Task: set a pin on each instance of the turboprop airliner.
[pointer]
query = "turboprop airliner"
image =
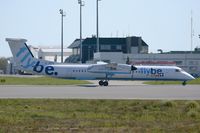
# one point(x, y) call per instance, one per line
point(101, 71)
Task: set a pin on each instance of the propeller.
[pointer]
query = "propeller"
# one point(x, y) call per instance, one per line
point(133, 68)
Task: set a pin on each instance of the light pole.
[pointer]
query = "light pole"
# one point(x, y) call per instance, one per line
point(199, 36)
point(62, 15)
point(98, 25)
point(81, 3)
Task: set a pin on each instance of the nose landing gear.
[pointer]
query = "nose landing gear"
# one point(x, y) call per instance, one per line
point(184, 83)
point(103, 83)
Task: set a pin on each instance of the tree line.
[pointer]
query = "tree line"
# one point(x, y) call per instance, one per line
point(3, 64)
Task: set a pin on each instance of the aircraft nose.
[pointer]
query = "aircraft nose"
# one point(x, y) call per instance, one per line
point(189, 77)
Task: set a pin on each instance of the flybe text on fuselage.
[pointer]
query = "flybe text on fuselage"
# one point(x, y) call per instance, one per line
point(49, 70)
point(152, 71)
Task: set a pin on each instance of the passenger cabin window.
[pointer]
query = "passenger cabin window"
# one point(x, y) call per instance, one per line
point(79, 70)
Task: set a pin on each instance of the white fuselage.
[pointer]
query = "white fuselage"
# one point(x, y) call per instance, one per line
point(142, 73)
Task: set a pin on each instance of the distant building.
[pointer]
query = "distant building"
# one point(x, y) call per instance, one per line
point(127, 45)
point(1, 71)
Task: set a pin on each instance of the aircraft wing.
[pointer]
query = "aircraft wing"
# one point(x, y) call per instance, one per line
point(111, 68)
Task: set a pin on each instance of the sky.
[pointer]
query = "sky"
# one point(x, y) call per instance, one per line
point(163, 24)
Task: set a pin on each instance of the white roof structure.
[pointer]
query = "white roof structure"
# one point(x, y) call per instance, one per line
point(55, 50)
point(50, 53)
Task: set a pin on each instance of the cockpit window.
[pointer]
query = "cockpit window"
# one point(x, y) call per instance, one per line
point(177, 70)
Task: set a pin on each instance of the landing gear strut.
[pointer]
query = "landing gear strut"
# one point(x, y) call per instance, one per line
point(103, 83)
point(184, 83)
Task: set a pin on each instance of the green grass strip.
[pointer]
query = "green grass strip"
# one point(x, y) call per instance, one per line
point(45, 115)
point(39, 81)
point(192, 82)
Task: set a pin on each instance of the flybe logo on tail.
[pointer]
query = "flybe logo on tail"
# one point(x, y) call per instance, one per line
point(26, 59)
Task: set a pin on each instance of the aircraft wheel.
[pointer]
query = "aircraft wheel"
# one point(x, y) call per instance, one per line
point(105, 83)
point(184, 83)
point(101, 83)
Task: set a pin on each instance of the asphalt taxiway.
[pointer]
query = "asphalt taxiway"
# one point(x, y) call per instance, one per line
point(116, 90)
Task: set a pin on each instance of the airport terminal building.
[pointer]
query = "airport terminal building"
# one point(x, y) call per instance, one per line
point(126, 45)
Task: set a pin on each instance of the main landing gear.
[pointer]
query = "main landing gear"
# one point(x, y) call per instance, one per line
point(103, 83)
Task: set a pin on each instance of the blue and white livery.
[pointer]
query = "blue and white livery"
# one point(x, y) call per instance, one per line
point(101, 71)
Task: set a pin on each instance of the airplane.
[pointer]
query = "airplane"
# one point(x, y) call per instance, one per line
point(101, 71)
